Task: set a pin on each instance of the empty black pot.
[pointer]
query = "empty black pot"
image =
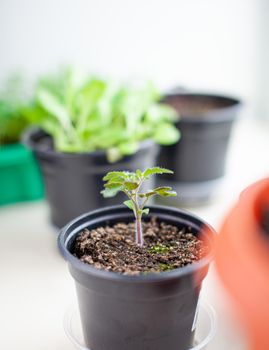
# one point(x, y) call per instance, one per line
point(147, 312)
point(73, 181)
point(198, 159)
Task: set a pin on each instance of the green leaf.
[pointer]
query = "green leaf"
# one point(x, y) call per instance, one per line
point(145, 211)
point(165, 191)
point(156, 170)
point(166, 134)
point(149, 194)
point(159, 249)
point(116, 179)
point(130, 185)
point(113, 184)
point(129, 147)
point(113, 174)
point(139, 173)
point(160, 112)
point(113, 154)
point(111, 192)
point(110, 137)
point(162, 189)
point(95, 114)
point(88, 97)
point(129, 204)
point(52, 105)
point(168, 194)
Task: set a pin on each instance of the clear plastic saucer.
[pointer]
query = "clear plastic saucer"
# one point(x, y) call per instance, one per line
point(206, 327)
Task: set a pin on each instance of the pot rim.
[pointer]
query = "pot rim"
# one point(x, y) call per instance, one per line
point(208, 116)
point(29, 142)
point(150, 278)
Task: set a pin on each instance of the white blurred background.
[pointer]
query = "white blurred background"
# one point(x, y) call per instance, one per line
point(212, 45)
point(219, 46)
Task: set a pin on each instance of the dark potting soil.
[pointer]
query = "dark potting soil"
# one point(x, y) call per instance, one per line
point(114, 249)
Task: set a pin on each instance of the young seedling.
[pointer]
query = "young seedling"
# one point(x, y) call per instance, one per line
point(130, 183)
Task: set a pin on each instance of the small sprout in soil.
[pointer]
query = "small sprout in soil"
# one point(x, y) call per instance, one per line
point(166, 267)
point(159, 249)
point(130, 183)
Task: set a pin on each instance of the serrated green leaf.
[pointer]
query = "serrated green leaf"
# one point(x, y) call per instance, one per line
point(113, 174)
point(162, 188)
point(164, 191)
point(156, 170)
point(113, 184)
point(110, 192)
point(130, 185)
point(129, 204)
point(116, 179)
point(168, 194)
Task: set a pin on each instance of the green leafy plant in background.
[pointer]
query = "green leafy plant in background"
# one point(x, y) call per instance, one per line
point(12, 98)
point(130, 183)
point(88, 114)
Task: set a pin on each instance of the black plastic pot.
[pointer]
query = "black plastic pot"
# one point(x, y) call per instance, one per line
point(147, 312)
point(73, 181)
point(198, 159)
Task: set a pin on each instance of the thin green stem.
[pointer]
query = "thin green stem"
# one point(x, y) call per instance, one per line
point(138, 215)
point(144, 203)
point(139, 231)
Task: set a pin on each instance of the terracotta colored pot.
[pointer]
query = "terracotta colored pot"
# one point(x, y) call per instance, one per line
point(242, 260)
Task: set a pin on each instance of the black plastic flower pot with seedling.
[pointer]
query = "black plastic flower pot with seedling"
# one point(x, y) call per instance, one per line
point(89, 129)
point(151, 310)
point(198, 159)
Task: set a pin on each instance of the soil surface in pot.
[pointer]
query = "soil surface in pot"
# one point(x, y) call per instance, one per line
point(197, 105)
point(113, 248)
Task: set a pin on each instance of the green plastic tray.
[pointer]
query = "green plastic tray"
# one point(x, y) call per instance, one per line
point(20, 178)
